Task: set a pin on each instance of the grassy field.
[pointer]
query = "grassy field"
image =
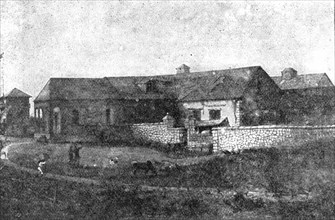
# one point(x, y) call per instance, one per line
point(94, 161)
point(306, 170)
point(26, 196)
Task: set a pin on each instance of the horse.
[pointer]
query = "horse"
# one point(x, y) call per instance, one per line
point(145, 166)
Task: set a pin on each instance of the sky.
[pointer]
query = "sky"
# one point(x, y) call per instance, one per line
point(43, 39)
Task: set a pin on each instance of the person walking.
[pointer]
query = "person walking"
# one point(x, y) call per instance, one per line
point(41, 164)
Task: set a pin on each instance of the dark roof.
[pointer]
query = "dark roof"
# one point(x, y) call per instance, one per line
point(195, 86)
point(316, 91)
point(75, 89)
point(16, 93)
point(303, 81)
point(135, 87)
point(215, 84)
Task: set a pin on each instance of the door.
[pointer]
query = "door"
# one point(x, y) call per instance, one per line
point(56, 121)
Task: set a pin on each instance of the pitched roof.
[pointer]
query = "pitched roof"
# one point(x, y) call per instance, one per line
point(195, 86)
point(75, 89)
point(215, 84)
point(16, 93)
point(304, 81)
point(135, 87)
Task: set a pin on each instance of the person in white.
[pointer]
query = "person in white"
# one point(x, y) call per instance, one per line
point(41, 163)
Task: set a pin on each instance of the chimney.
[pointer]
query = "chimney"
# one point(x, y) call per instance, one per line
point(288, 73)
point(183, 69)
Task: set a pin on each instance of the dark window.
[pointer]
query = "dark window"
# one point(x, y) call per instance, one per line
point(108, 116)
point(197, 114)
point(214, 114)
point(75, 117)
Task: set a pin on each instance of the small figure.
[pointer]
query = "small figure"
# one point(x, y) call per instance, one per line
point(41, 163)
point(70, 154)
point(113, 161)
point(4, 151)
point(74, 156)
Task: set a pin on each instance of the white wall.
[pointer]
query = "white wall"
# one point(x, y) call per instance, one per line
point(227, 108)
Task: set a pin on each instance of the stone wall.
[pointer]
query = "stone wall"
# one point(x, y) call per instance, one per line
point(163, 132)
point(235, 138)
point(159, 132)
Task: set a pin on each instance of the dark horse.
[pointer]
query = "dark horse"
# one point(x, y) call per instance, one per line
point(146, 166)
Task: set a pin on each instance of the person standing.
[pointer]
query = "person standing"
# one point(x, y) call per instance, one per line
point(4, 150)
point(71, 153)
point(76, 150)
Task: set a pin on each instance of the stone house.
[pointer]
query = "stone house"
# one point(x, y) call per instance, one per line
point(306, 98)
point(14, 107)
point(232, 97)
point(66, 106)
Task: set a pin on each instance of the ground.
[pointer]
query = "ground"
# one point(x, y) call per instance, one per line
point(94, 162)
point(295, 184)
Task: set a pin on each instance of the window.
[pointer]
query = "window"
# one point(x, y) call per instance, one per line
point(197, 114)
point(75, 117)
point(36, 112)
point(214, 114)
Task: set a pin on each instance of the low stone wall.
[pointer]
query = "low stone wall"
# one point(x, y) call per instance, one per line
point(159, 132)
point(235, 138)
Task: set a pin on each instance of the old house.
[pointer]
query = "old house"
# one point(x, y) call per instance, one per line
point(290, 79)
point(15, 112)
point(307, 98)
point(232, 97)
point(66, 106)
point(235, 97)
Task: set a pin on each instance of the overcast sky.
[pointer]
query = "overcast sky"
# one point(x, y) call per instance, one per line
point(43, 39)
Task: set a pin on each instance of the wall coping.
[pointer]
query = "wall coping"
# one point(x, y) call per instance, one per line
point(148, 124)
point(160, 124)
point(275, 127)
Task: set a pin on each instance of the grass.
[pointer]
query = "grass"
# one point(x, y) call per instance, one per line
point(95, 160)
point(285, 172)
point(26, 196)
point(279, 171)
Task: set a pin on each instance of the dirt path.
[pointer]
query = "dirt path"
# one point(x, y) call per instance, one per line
point(7, 162)
point(213, 191)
